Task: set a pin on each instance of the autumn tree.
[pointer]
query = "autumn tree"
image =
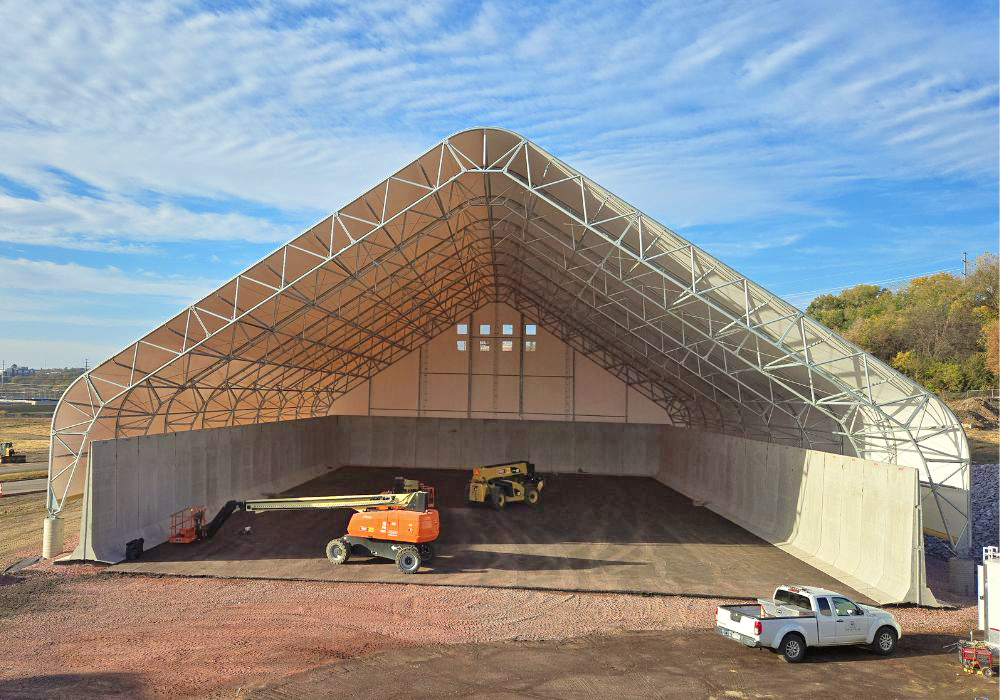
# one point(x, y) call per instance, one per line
point(941, 330)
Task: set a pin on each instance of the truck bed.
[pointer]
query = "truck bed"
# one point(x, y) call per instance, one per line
point(757, 625)
point(765, 610)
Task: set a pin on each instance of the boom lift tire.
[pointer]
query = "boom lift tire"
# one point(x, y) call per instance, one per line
point(532, 495)
point(338, 551)
point(408, 560)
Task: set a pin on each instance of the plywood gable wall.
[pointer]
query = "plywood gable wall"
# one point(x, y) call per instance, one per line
point(498, 373)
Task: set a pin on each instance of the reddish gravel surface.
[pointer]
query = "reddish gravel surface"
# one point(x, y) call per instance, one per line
point(176, 637)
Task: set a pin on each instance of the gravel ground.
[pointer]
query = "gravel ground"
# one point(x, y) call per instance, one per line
point(985, 514)
point(179, 637)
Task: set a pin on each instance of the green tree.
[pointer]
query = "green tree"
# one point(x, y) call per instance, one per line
point(941, 330)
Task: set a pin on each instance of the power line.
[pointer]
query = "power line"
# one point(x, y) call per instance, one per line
point(885, 281)
point(908, 263)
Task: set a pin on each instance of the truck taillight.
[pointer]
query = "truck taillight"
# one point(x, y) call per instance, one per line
point(756, 627)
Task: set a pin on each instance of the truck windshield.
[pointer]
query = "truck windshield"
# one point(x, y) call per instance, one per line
point(794, 599)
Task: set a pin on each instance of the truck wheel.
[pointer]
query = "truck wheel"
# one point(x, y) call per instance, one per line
point(497, 499)
point(793, 648)
point(338, 551)
point(987, 672)
point(408, 560)
point(426, 553)
point(885, 641)
point(531, 496)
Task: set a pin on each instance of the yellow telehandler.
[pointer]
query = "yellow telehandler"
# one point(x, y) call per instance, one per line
point(500, 484)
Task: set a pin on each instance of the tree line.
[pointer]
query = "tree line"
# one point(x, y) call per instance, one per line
point(940, 330)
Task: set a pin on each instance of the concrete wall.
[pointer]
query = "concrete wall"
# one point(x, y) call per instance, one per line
point(135, 484)
point(854, 519)
point(458, 443)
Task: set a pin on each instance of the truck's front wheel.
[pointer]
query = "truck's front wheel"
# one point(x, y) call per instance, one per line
point(792, 648)
point(885, 641)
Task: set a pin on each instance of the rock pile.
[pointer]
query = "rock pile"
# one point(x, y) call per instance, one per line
point(984, 513)
point(985, 507)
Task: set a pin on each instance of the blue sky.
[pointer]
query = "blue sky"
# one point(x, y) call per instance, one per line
point(150, 151)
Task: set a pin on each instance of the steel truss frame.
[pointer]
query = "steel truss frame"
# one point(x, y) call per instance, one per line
point(488, 216)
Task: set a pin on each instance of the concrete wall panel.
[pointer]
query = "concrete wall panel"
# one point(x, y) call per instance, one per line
point(854, 519)
point(135, 484)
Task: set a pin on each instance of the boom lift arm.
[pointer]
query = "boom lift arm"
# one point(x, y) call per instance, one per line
point(401, 526)
point(412, 500)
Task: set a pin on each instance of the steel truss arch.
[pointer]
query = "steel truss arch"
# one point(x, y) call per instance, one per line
point(487, 216)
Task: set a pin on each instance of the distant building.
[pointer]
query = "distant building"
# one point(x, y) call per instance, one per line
point(15, 371)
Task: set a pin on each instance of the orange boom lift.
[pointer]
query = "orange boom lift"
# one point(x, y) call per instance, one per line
point(401, 525)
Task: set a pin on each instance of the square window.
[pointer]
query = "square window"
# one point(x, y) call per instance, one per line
point(461, 345)
point(529, 345)
point(530, 329)
point(463, 329)
point(507, 345)
point(484, 329)
point(508, 329)
point(484, 346)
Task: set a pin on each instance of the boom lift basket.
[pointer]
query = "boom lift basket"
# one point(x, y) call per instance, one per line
point(186, 525)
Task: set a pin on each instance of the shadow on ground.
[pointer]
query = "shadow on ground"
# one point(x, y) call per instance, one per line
point(74, 685)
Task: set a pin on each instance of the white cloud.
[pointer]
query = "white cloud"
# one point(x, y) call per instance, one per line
point(306, 116)
point(713, 113)
point(64, 279)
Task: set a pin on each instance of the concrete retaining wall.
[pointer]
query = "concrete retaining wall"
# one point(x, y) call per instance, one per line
point(854, 519)
point(134, 484)
point(459, 443)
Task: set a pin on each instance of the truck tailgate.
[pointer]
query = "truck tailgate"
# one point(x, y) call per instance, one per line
point(737, 622)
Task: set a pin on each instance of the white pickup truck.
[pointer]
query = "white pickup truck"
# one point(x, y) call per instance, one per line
point(801, 617)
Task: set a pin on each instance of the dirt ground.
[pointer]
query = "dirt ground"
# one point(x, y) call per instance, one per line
point(80, 632)
point(137, 636)
point(632, 535)
point(984, 445)
point(30, 434)
point(21, 525)
point(678, 664)
point(157, 637)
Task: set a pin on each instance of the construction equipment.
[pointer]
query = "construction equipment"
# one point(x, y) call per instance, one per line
point(187, 526)
point(8, 455)
point(978, 656)
point(981, 652)
point(401, 526)
point(500, 484)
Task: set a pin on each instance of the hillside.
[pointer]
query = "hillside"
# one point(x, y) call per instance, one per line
point(939, 330)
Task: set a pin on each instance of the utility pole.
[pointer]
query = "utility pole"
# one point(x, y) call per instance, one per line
point(965, 264)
